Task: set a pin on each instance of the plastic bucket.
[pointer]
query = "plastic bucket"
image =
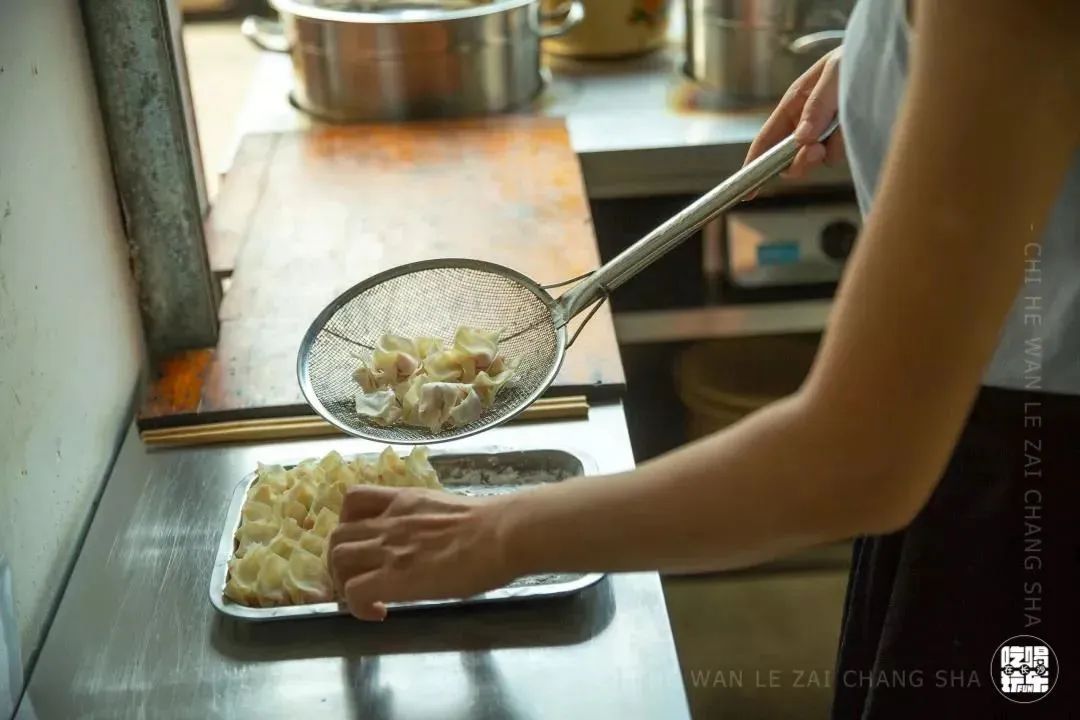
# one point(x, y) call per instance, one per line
point(721, 381)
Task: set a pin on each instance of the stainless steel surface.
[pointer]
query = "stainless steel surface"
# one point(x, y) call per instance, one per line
point(407, 60)
point(788, 247)
point(431, 298)
point(135, 637)
point(629, 122)
point(668, 235)
point(750, 51)
point(673, 326)
point(493, 471)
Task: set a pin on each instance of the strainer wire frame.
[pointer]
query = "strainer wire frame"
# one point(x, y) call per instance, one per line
point(556, 316)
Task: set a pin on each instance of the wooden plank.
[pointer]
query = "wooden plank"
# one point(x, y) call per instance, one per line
point(294, 428)
point(334, 205)
point(237, 202)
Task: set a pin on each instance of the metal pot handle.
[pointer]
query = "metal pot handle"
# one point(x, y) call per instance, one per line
point(805, 44)
point(264, 34)
point(569, 14)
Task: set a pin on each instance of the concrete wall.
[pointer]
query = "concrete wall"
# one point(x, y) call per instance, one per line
point(70, 343)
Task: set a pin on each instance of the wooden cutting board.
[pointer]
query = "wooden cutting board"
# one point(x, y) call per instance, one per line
point(303, 216)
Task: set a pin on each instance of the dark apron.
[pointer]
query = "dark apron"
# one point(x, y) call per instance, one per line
point(993, 555)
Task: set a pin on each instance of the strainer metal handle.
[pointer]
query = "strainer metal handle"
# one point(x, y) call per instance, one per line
point(670, 234)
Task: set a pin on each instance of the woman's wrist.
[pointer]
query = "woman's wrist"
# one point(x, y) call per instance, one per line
point(512, 519)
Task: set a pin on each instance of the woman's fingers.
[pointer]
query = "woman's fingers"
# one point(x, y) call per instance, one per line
point(354, 559)
point(805, 161)
point(818, 111)
point(422, 545)
point(784, 119)
point(806, 110)
point(834, 149)
point(356, 592)
point(366, 501)
point(822, 103)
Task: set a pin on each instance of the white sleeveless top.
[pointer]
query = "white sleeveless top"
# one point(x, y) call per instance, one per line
point(1040, 354)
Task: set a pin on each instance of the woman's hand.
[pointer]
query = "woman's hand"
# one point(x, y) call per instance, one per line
point(405, 544)
point(806, 109)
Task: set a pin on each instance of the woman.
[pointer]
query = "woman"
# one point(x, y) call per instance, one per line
point(935, 424)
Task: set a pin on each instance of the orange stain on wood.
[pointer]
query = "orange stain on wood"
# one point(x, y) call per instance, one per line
point(178, 384)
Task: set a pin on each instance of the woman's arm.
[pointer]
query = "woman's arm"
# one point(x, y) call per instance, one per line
point(989, 127)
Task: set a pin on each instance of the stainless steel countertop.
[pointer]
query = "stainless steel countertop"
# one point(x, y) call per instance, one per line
point(136, 636)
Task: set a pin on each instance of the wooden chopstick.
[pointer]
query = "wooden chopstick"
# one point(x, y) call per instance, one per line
point(293, 428)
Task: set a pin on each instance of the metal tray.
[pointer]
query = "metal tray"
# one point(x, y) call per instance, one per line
point(479, 473)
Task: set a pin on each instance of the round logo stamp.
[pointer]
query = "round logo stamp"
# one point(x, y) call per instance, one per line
point(1024, 668)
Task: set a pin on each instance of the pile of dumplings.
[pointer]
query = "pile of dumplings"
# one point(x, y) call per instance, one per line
point(288, 515)
point(419, 382)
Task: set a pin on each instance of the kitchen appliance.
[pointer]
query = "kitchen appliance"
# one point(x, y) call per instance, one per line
point(433, 298)
point(748, 52)
point(789, 247)
point(395, 60)
point(612, 29)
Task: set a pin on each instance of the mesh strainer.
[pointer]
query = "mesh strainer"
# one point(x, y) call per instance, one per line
point(433, 298)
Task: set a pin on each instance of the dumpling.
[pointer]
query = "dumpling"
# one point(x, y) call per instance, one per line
point(273, 475)
point(391, 343)
point(331, 461)
point(410, 402)
point(242, 585)
point(263, 492)
point(325, 522)
point(313, 543)
point(391, 468)
point(303, 493)
point(366, 473)
point(291, 528)
point(282, 546)
point(381, 406)
point(437, 403)
point(270, 584)
point(343, 475)
point(395, 359)
point(288, 508)
point(306, 579)
point(309, 471)
point(488, 386)
point(503, 364)
point(478, 345)
point(449, 366)
point(419, 471)
point(468, 409)
point(255, 532)
point(256, 510)
point(427, 346)
point(369, 378)
point(328, 496)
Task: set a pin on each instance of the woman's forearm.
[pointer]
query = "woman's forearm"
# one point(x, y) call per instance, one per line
point(917, 318)
point(771, 485)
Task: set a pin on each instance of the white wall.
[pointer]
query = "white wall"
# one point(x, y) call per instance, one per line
point(70, 344)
